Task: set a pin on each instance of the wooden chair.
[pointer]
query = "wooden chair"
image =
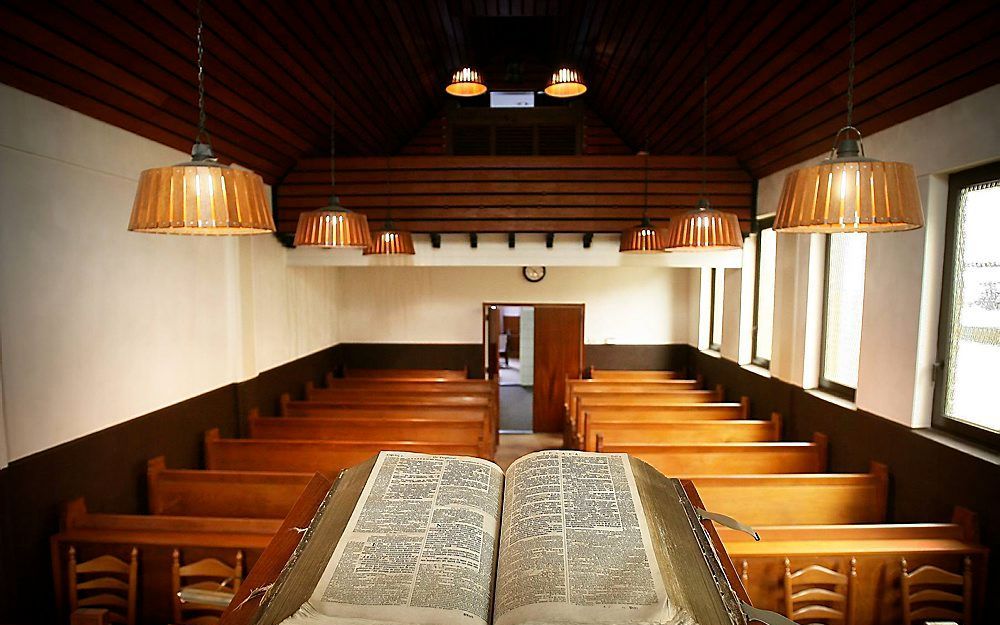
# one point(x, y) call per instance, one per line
point(104, 582)
point(931, 593)
point(208, 574)
point(817, 587)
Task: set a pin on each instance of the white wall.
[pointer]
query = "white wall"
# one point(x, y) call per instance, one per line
point(527, 346)
point(634, 305)
point(902, 281)
point(99, 325)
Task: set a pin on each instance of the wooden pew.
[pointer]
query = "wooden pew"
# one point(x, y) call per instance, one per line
point(206, 493)
point(155, 537)
point(368, 406)
point(646, 403)
point(463, 431)
point(798, 499)
point(326, 457)
point(408, 374)
point(730, 458)
point(368, 390)
point(877, 549)
point(634, 375)
point(666, 427)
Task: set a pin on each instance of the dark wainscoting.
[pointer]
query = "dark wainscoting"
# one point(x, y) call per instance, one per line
point(109, 469)
point(670, 357)
point(413, 356)
point(928, 478)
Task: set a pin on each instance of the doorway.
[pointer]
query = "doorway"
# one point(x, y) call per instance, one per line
point(531, 349)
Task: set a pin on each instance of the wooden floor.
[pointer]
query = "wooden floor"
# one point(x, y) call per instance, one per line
point(513, 446)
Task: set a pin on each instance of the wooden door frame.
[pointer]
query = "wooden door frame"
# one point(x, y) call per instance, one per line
point(484, 318)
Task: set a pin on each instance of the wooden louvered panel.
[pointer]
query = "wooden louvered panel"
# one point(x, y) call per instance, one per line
point(515, 194)
point(514, 140)
point(471, 140)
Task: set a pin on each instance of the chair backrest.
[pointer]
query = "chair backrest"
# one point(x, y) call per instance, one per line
point(818, 593)
point(930, 592)
point(208, 574)
point(105, 582)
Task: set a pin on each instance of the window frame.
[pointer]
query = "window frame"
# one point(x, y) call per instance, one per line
point(829, 386)
point(939, 421)
point(762, 224)
point(716, 347)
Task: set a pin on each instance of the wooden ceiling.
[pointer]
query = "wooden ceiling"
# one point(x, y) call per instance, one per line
point(777, 83)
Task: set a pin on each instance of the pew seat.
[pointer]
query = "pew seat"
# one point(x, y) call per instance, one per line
point(730, 458)
point(189, 492)
point(798, 499)
point(680, 423)
point(296, 456)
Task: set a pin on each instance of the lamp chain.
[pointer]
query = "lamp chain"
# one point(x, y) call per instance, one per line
point(704, 114)
point(645, 183)
point(388, 196)
point(850, 66)
point(333, 142)
point(202, 136)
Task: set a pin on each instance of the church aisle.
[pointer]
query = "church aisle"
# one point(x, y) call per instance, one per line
point(513, 446)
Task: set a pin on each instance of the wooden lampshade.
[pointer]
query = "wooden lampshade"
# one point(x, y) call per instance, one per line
point(466, 83)
point(201, 196)
point(704, 229)
point(390, 241)
point(332, 226)
point(565, 83)
point(644, 238)
point(850, 193)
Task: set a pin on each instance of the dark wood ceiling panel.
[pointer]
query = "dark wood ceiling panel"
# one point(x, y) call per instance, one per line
point(274, 69)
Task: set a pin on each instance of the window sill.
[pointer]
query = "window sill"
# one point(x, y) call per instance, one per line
point(833, 399)
point(714, 353)
point(959, 444)
point(761, 371)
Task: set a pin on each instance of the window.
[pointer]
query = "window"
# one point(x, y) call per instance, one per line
point(842, 305)
point(715, 321)
point(969, 336)
point(763, 299)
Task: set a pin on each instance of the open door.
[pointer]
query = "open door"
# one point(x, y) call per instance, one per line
point(558, 355)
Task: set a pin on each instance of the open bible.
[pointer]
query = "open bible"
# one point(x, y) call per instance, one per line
point(563, 537)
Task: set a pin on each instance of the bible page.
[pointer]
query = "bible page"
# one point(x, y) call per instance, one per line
point(575, 545)
point(419, 548)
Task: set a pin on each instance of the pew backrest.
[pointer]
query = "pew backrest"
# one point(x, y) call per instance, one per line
point(408, 374)
point(206, 493)
point(730, 458)
point(799, 499)
point(326, 457)
point(467, 430)
point(624, 428)
point(634, 375)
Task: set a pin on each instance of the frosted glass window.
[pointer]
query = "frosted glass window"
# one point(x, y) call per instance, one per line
point(845, 293)
point(764, 297)
point(971, 354)
point(718, 291)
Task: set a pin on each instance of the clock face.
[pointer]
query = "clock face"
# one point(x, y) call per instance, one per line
point(534, 274)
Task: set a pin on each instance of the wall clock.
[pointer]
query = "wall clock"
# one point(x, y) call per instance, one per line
point(533, 274)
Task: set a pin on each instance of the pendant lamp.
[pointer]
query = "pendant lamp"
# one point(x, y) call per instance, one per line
point(333, 225)
point(849, 192)
point(390, 240)
point(565, 83)
point(644, 238)
point(466, 83)
point(201, 196)
point(704, 228)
